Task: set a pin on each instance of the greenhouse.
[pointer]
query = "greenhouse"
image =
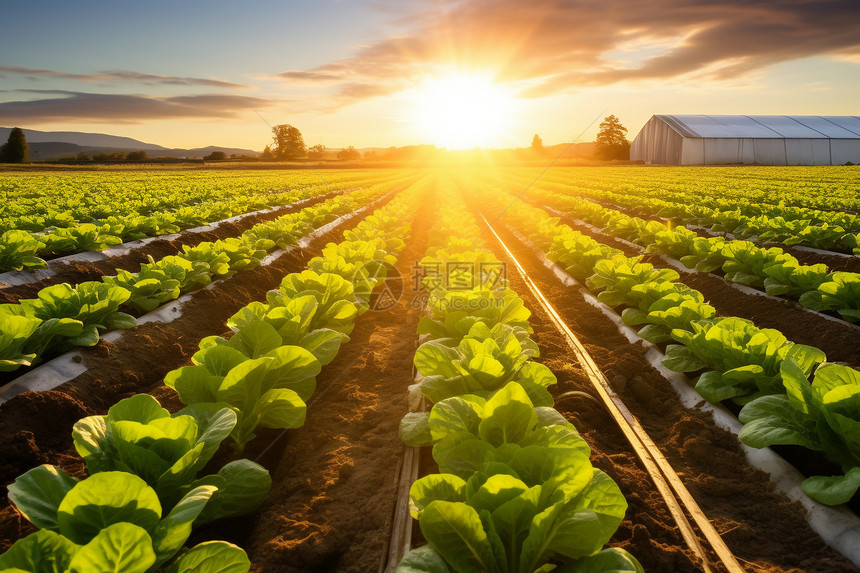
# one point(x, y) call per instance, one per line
point(748, 139)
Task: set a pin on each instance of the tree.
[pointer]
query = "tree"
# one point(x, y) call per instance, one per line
point(288, 142)
point(267, 154)
point(348, 153)
point(611, 141)
point(537, 144)
point(136, 156)
point(216, 156)
point(316, 151)
point(16, 149)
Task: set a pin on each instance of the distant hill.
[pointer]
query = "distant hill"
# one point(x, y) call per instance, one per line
point(49, 145)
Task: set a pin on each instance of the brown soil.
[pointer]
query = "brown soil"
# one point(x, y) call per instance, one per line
point(35, 427)
point(839, 340)
point(78, 272)
point(766, 531)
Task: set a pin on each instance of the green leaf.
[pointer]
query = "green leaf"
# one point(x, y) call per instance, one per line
point(415, 429)
point(833, 490)
point(713, 388)
point(610, 560)
point(462, 454)
point(444, 487)
point(458, 414)
point(195, 384)
point(455, 531)
point(38, 494)
point(424, 559)
point(771, 420)
point(244, 489)
point(681, 359)
point(173, 531)
point(44, 551)
point(281, 408)
point(117, 547)
point(508, 415)
point(219, 359)
point(323, 343)
point(212, 557)
point(104, 499)
point(256, 339)
point(141, 408)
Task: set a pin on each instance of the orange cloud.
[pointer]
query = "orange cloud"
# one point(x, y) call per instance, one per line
point(551, 46)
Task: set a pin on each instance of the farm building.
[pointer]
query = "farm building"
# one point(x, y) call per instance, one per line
point(761, 139)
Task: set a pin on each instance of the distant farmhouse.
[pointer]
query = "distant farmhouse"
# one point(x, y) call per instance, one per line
point(761, 139)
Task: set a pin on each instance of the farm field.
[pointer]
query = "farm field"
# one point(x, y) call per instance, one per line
point(435, 369)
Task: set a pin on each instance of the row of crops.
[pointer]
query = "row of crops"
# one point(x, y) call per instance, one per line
point(144, 493)
point(45, 216)
point(515, 489)
point(512, 484)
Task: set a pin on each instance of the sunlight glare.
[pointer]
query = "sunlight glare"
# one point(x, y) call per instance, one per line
point(464, 111)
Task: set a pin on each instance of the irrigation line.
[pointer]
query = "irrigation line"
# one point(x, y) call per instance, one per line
point(661, 472)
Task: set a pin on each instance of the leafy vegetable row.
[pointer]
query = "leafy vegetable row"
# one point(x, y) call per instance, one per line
point(757, 221)
point(757, 368)
point(516, 491)
point(772, 269)
point(137, 509)
point(754, 187)
point(62, 316)
point(104, 219)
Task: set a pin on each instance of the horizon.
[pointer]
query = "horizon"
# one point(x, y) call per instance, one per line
point(457, 75)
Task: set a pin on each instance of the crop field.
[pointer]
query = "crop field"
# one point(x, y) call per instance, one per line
point(501, 369)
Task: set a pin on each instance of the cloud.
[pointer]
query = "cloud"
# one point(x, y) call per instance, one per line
point(123, 108)
point(549, 46)
point(126, 76)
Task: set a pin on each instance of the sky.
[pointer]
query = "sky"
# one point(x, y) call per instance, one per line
point(379, 73)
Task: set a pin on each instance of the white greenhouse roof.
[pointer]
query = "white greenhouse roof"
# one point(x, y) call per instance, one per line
point(765, 126)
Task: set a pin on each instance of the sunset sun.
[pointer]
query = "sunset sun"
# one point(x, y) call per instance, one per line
point(463, 111)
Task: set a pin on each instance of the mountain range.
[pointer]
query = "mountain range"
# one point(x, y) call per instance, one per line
point(49, 145)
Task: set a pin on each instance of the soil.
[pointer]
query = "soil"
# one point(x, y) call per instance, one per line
point(75, 272)
point(35, 427)
point(766, 531)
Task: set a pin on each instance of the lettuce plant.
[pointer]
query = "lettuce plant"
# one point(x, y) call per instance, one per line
point(111, 521)
point(790, 278)
point(516, 491)
point(292, 322)
point(454, 313)
point(823, 415)
point(744, 359)
point(841, 293)
point(156, 283)
point(746, 263)
point(482, 363)
point(15, 332)
point(677, 309)
point(18, 251)
point(93, 303)
point(338, 304)
point(616, 277)
point(168, 451)
point(269, 391)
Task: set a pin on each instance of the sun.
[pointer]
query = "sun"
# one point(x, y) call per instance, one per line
point(462, 111)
